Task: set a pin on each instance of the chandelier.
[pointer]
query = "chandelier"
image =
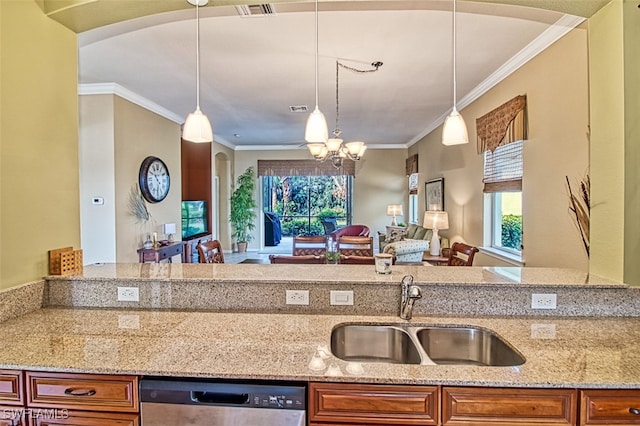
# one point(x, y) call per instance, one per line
point(334, 149)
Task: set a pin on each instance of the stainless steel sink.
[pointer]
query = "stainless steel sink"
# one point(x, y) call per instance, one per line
point(370, 343)
point(428, 345)
point(467, 345)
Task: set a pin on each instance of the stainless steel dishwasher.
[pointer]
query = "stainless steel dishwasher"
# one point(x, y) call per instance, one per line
point(166, 402)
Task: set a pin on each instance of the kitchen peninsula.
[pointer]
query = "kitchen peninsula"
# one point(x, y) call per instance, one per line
point(230, 322)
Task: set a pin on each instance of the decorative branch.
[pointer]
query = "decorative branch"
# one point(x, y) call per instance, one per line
point(580, 206)
point(137, 205)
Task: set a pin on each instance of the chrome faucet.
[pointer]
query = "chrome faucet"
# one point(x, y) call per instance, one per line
point(410, 293)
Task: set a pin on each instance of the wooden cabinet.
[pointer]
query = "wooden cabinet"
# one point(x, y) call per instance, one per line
point(12, 398)
point(351, 404)
point(81, 399)
point(88, 418)
point(609, 407)
point(497, 406)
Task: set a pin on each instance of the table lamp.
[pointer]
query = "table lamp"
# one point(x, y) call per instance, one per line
point(394, 210)
point(435, 220)
point(169, 230)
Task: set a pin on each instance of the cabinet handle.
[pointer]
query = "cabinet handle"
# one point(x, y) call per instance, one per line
point(79, 392)
point(634, 411)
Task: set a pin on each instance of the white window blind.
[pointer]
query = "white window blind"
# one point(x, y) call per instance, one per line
point(503, 168)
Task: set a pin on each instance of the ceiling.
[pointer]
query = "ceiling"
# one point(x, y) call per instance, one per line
point(254, 68)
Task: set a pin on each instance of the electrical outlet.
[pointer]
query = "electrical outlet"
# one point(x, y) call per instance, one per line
point(543, 301)
point(297, 297)
point(128, 294)
point(341, 297)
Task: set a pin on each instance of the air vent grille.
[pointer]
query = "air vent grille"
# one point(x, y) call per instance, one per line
point(298, 108)
point(246, 10)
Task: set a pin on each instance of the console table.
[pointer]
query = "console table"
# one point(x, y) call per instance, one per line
point(162, 252)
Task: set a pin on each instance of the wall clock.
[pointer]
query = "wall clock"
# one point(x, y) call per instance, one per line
point(154, 179)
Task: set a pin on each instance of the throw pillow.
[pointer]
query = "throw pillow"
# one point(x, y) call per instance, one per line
point(395, 235)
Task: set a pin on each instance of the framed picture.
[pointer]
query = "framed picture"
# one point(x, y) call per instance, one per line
point(434, 194)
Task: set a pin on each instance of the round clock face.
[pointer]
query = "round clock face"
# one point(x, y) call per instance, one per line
point(154, 179)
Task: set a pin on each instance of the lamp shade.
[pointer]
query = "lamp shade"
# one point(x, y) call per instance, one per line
point(316, 130)
point(169, 228)
point(454, 131)
point(394, 210)
point(197, 128)
point(436, 220)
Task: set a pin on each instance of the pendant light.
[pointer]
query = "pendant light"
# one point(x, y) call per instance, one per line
point(454, 131)
point(316, 130)
point(197, 127)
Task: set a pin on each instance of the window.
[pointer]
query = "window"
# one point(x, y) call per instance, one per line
point(301, 201)
point(503, 200)
point(413, 196)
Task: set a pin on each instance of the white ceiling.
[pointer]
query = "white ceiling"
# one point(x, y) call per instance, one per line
point(254, 68)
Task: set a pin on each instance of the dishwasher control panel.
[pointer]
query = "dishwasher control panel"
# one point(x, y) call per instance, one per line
point(229, 394)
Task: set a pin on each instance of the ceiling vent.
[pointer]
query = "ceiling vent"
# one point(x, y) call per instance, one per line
point(298, 108)
point(246, 10)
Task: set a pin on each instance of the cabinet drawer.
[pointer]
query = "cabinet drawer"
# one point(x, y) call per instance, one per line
point(11, 387)
point(609, 407)
point(473, 406)
point(373, 404)
point(79, 418)
point(12, 416)
point(82, 391)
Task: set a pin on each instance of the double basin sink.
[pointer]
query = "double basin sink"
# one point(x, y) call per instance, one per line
point(426, 345)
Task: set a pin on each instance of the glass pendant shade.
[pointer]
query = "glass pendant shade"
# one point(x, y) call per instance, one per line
point(454, 131)
point(354, 147)
point(334, 144)
point(316, 130)
point(197, 128)
point(315, 149)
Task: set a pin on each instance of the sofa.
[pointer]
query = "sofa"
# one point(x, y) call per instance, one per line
point(350, 231)
point(408, 244)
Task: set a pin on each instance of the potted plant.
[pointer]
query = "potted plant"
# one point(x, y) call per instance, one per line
point(243, 215)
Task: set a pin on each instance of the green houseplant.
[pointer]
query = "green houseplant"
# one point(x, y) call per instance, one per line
point(243, 205)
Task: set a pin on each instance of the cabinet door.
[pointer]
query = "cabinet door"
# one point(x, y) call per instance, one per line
point(94, 392)
point(373, 404)
point(11, 386)
point(476, 406)
point(88, 418)
point(610, 407)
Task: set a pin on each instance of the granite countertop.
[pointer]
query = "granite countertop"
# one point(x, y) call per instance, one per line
point(559, 352)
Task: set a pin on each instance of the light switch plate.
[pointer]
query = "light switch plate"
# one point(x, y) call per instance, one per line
point(341, 297)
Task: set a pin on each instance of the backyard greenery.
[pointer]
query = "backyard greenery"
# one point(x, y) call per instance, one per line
point(301, 201)
point(512, 231)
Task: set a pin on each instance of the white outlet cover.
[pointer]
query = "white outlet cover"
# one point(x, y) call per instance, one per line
point(297, 297)
point(544, 301)
point(128, 294)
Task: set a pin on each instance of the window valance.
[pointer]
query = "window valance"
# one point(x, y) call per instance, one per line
point(411, 165)
point(304, 168)
point(503, 125)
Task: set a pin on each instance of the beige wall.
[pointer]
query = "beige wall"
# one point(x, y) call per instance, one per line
point(379, 181)
point(223, 159)
point(556, 86)
point(607, 158)
point(115, 138)
point(38, 141)
point(138, 134)
point(97, 169)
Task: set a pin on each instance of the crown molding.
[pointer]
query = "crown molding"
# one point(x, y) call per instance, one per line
point(304, 146)
point(116, 89)
point(552, 34)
